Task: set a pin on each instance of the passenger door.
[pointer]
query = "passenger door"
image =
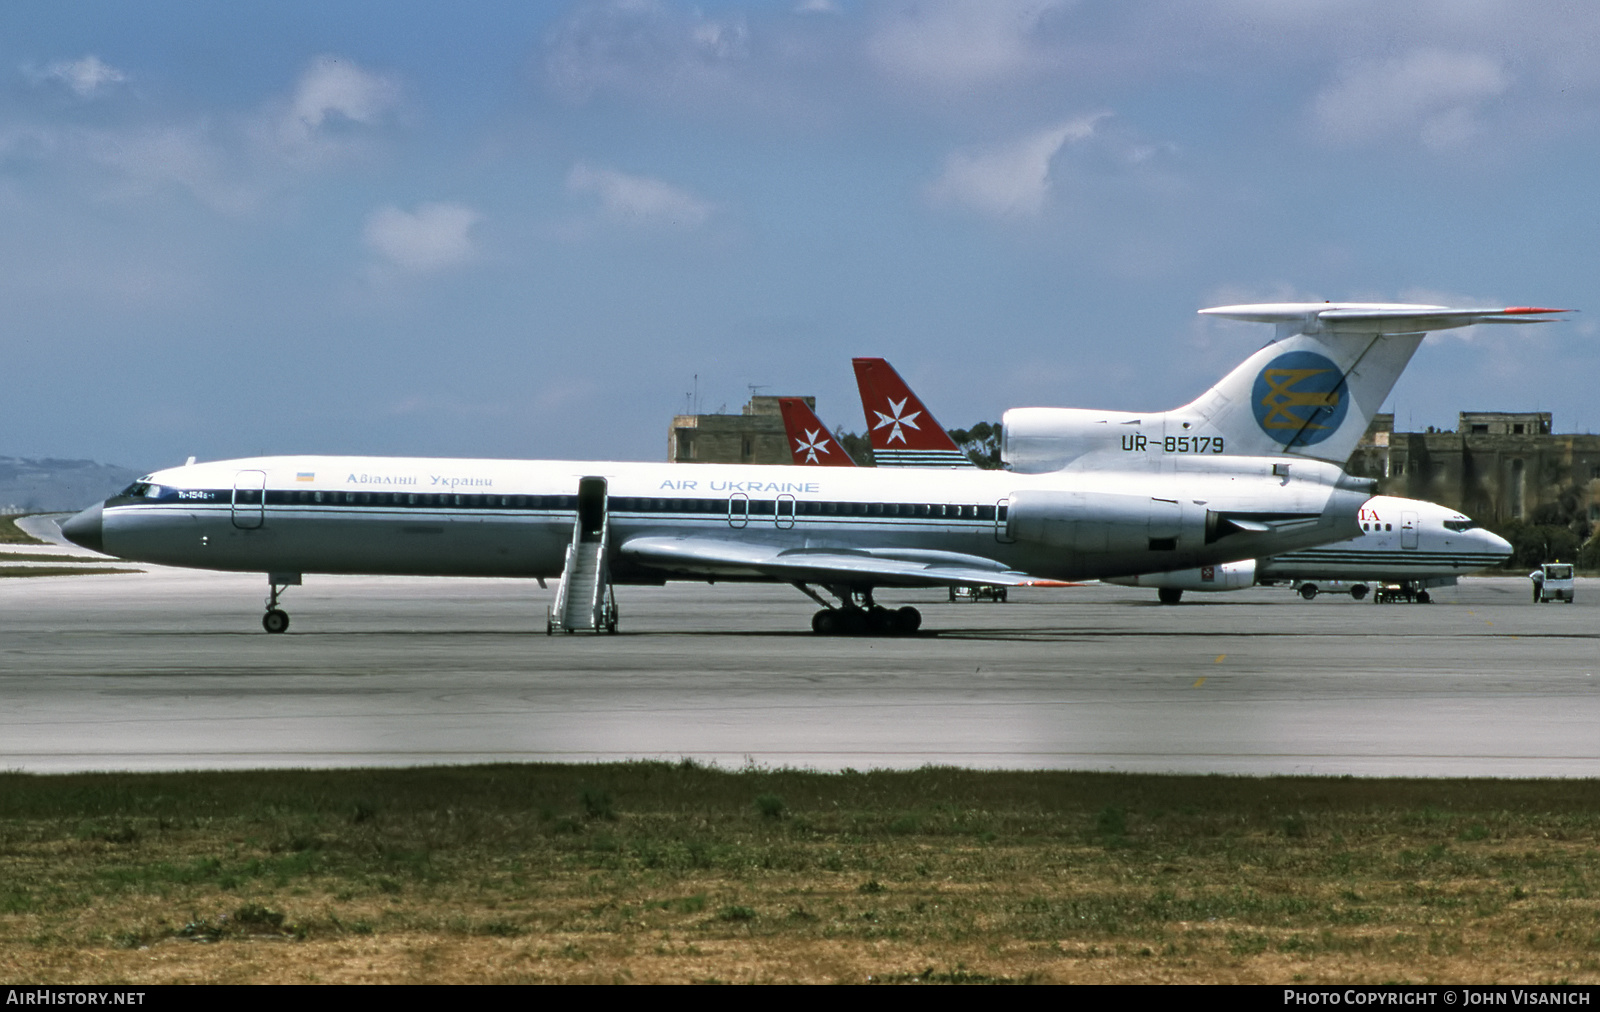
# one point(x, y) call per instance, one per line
point(249, 499)
point(1408, 531)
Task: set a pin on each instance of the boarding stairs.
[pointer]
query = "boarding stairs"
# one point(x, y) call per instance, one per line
point(584, 599)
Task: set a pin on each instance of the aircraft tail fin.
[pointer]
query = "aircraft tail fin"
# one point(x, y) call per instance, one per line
point(903, 431)
point(809, 440)
point(1314, 391)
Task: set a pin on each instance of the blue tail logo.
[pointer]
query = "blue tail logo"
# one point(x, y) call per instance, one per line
point(1300, 398)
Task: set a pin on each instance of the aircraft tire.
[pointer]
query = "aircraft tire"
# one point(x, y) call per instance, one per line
point(907, 621)
point(1358, 592)
point(275, 620)
point(881, 622)
point(1423, 597)
point(1308, 591)
point(825, 623)
point(852, 621)
point(1169, 595)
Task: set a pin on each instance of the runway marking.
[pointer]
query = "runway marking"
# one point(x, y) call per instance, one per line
point(1219, 659)
point(1200, 681)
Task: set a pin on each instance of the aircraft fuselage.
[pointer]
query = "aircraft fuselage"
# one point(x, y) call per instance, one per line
point(466, 517)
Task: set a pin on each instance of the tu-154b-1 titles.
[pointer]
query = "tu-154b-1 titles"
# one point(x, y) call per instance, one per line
point(851, 531)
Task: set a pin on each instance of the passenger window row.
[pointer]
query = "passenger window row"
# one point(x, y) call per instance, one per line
point(769, 507)
point(423, 500)
point(617, 504)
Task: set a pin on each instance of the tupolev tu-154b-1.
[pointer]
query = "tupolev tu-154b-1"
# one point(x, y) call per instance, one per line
point(848, 531)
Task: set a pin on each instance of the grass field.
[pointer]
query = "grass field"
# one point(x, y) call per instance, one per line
point(656, 872)
point(69, 570)
point(11, 534)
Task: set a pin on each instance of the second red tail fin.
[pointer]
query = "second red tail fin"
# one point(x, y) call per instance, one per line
point(809, 440)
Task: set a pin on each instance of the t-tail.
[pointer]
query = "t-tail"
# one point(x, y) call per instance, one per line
point(1312, 392)
point(902, 430)
point(809, 440)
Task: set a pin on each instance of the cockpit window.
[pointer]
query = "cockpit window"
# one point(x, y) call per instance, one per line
point(1460, 525)
point(148, 490)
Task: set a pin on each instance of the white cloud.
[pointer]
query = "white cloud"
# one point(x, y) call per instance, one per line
point(86, 77)
point(1430, 95)
point(433, 237)
point(1009, 181)
point(332, 94)
point(960, 43)
point(639, 199)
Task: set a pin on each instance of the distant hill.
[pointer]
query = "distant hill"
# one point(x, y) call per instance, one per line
point(48, 485)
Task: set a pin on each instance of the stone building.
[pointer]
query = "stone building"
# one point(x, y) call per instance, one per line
point(755, 436)
point(1497, 466)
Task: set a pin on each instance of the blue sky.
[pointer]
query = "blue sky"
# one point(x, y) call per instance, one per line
point(498, 229)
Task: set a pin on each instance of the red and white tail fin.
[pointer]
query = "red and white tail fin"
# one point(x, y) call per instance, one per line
point(903, 431)
point(809, 440)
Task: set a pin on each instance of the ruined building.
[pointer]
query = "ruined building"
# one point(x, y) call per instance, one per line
point(1496, 467)
point(754, 437)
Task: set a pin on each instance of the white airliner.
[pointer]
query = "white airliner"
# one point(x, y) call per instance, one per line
point(847, 530)
point(1405, 546)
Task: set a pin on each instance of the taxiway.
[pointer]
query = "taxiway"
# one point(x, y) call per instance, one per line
point(169, 669)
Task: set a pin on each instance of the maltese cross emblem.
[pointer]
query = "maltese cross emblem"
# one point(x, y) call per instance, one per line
point(897, 419)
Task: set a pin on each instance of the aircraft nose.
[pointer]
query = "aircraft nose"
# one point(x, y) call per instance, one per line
point(85, 528)
point(1494, 542)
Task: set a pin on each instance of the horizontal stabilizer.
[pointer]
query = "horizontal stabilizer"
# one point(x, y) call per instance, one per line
point(1374, 317)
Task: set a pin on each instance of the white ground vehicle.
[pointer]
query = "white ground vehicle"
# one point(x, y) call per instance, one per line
point(1557, 583)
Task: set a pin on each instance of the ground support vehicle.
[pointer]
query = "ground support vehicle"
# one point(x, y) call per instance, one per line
point(1557, 583)
point(979, 593)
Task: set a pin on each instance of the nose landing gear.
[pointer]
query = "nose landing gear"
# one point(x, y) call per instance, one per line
point(276, 620)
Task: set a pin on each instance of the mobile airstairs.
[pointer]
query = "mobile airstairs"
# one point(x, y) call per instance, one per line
point(584, 599)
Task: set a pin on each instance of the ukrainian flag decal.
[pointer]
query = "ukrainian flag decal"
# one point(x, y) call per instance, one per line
point(305, 476)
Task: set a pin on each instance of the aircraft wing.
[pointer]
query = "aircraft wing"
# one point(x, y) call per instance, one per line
point(888, 567)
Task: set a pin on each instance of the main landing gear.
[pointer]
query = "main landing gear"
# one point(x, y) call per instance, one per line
point(857, 615)
point(276, 620)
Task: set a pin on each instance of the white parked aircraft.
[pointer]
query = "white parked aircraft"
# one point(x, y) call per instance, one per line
point(1404, 548)
point(847, 530)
